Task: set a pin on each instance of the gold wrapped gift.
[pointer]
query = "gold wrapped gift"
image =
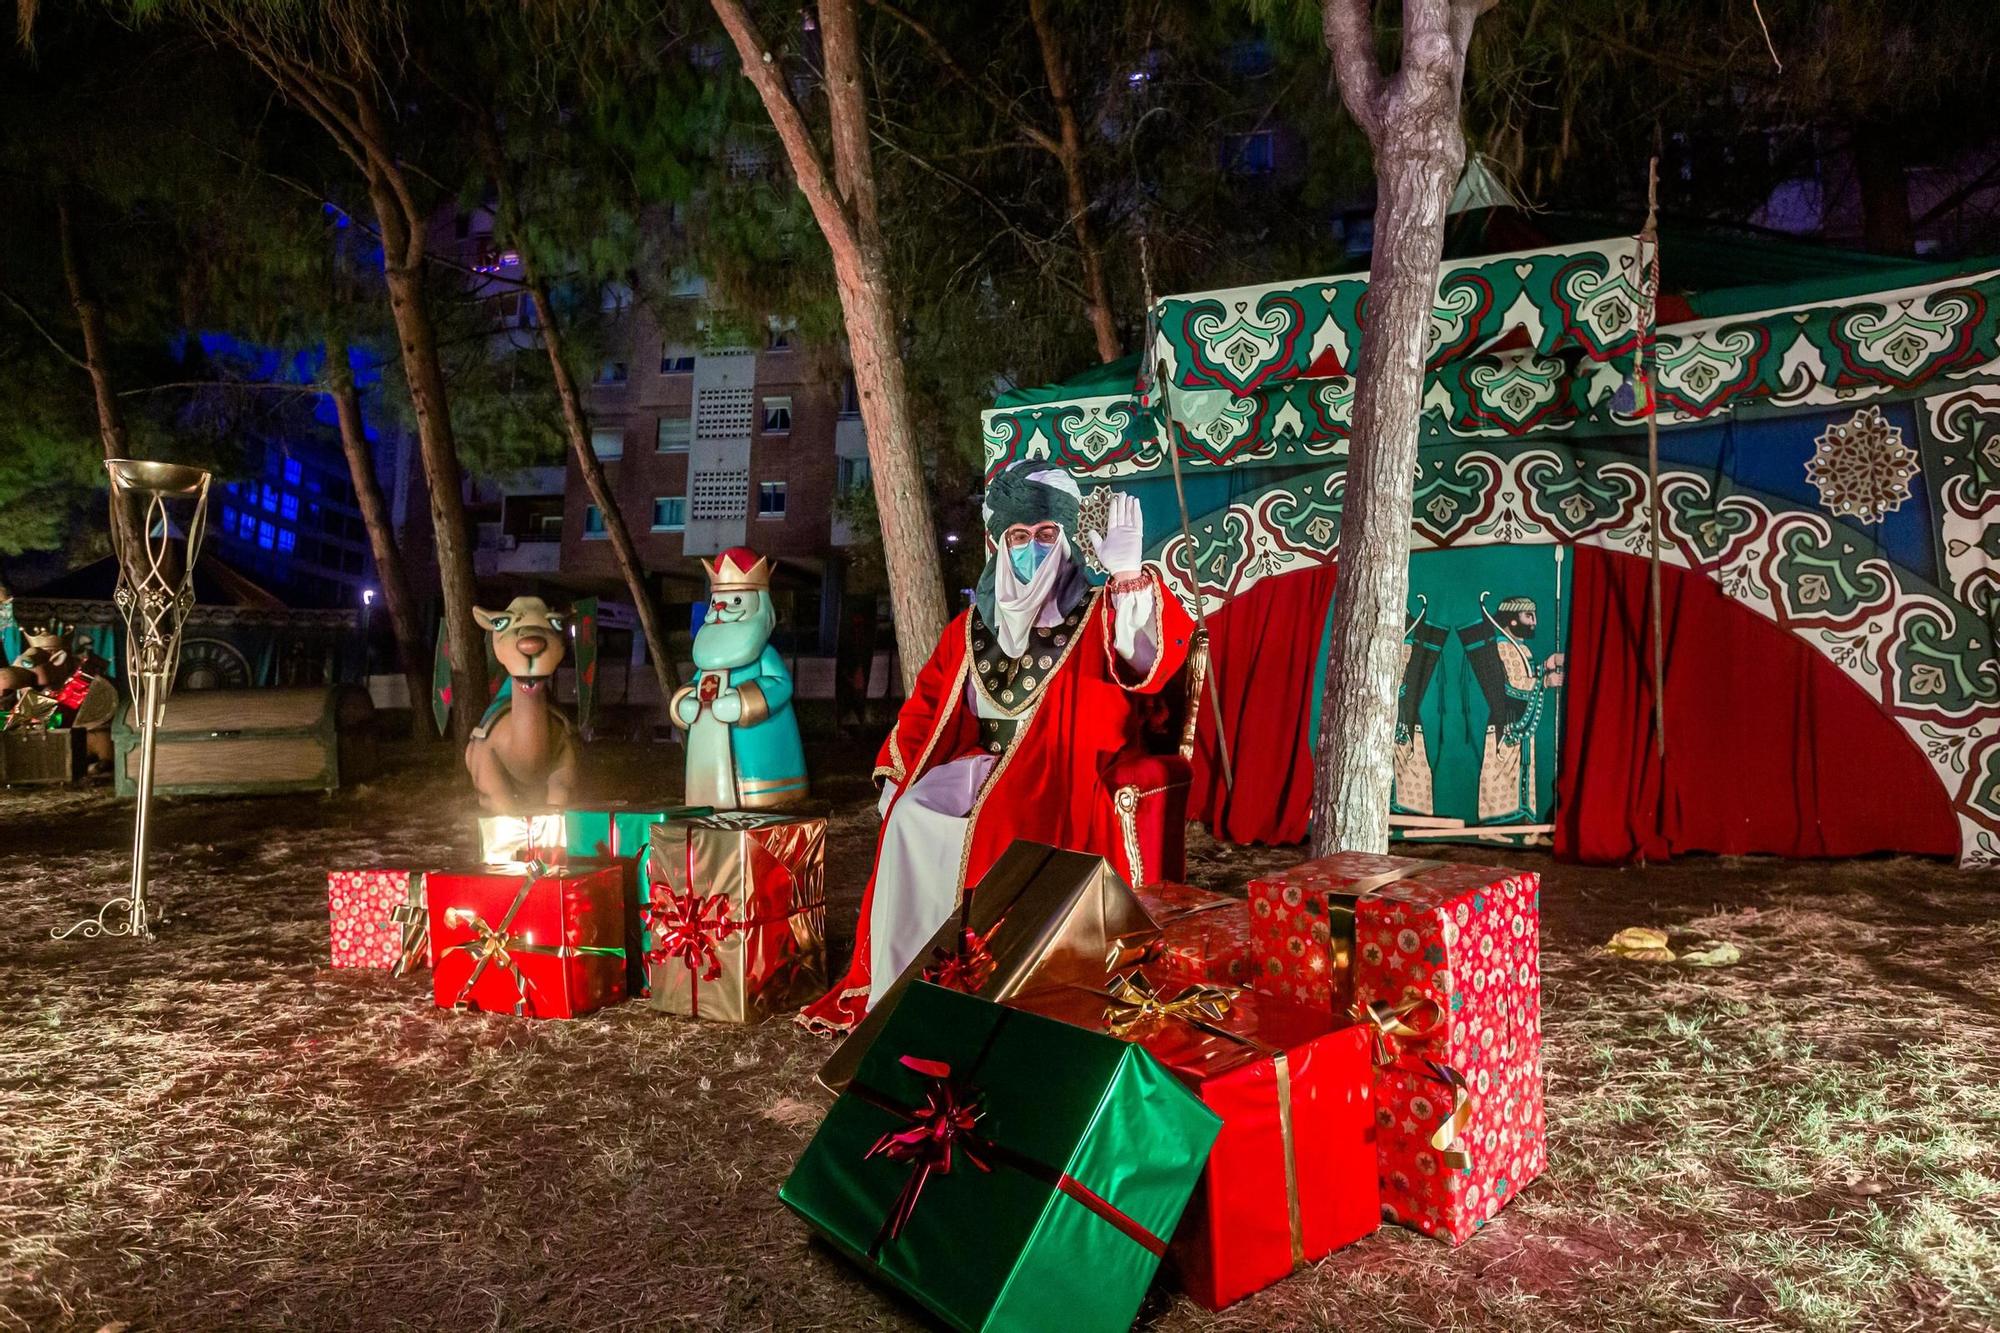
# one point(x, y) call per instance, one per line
point(1039, 917)
point(737, 916)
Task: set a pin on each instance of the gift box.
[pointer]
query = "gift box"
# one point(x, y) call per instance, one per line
point(1302, 925)
point(378, 919)
point(1292, 1176)
point(527, 939)
point(737, 919)
point(622, 833)
point(1040, 916)
point(537, 837)
point(1008, 1171)
point(1203, 936)
point(1448, 972)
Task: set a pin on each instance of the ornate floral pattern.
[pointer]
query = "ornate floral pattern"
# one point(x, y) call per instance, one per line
point(1861, 467)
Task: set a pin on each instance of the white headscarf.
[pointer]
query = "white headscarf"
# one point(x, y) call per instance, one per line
point(1020, 607)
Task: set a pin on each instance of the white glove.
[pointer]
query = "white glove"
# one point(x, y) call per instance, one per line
point(1122, 548)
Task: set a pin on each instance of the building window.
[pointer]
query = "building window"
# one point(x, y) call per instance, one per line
point(777, 416)
point(850, 397)
point(270, 498)
point(675, 360)
point(852, 475)
point(290, 506)
point(292, 471)
point(613, 372)
point(228, 519)
point(593, 521)
point(287, 539)
point(267, 536)
point(770, 499)
point(247, 527)
point(616, 296)
point(675, 434)
point(1250, 154)
point(608, 442)
point(780, 340)
point(670, 513)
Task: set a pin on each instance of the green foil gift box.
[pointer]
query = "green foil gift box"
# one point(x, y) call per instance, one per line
point(1008, 1171)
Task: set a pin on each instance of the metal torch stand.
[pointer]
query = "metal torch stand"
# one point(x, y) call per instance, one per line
point(155, 593)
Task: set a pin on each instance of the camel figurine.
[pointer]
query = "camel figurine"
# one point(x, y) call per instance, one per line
point(523, 754)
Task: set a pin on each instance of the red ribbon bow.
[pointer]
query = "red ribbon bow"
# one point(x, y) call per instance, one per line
point(689, 927)
point(967, 967)
point(938, 1130)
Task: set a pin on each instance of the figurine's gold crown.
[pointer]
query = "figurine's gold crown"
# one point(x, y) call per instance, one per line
point(738, 569)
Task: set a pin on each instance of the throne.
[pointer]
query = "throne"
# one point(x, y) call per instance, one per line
point(1149, 783)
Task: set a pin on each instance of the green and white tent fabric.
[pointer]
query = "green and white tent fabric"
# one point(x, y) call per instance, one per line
point(1830, 459)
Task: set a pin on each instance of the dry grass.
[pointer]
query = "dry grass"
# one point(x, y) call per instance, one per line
point(216, 1131)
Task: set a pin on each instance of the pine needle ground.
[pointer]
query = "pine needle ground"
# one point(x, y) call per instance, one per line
point(216, 1131)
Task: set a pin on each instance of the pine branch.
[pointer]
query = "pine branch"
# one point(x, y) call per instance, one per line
point(38, 327)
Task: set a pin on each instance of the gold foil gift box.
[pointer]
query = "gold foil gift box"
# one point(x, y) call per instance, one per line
point(737, 918)
point(1039, 917)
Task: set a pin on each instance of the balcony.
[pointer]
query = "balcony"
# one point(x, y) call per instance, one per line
point(509, 553)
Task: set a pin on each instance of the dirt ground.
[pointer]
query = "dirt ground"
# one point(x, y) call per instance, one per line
point(216, 1131)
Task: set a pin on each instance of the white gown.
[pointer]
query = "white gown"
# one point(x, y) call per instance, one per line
point(916, 877)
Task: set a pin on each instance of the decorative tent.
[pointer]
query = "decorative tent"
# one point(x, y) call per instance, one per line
point(1829, 462)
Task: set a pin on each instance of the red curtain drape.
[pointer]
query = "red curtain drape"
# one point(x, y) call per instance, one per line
point(1263, 647)
point(1770, 747)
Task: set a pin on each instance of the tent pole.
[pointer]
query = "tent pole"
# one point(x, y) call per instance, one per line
point(1649, 241)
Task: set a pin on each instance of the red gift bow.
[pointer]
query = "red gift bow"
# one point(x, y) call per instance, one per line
point(944, 1123)
point(690, 927)
point(969, 966)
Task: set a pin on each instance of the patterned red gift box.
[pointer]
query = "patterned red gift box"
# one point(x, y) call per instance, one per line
point(1448, 966)
point(1293, 1175)
point(377, 919)
point(1203, 936)
point(1301, 925)
point(527, 939)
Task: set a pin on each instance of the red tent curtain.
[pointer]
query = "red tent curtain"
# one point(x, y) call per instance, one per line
point(1263, 647)
point(1770, 747)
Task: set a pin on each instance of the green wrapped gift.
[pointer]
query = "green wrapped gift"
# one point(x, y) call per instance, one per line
point(623, 833)
point(1007, 1170)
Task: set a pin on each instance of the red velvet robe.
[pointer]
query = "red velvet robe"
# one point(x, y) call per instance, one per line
point(1051, 786)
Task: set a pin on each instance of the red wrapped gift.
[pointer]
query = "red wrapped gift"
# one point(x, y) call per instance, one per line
point(378, 919)
point(1302, 925)
point(1448, 971)
point(528, 939)
point(1293, 1176)
point(1203, 936)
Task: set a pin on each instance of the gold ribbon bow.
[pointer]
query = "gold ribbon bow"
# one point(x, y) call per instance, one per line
point(414, 917)
point(1393, 1023)
point(1147, 1006)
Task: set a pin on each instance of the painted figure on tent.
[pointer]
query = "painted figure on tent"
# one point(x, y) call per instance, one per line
point(1413, 789)
point(523, 753)
point(743, 750)
point(1516, 689)
point(1014, 720)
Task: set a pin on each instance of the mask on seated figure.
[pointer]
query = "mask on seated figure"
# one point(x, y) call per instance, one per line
point(1033, 572)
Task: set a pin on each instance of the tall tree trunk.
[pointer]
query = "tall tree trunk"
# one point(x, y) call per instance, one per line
point(843, 204)
point(576, 424)
point(1412, 122)
point(96, 359)
point(396, 596)
point(1884, 185)
point(417, 342)
point(1069, 152)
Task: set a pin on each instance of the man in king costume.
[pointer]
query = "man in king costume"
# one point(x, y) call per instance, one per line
point(1014, 723)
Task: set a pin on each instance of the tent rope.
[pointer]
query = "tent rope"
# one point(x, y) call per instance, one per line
point(1649, 249)
point(1155, 379)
